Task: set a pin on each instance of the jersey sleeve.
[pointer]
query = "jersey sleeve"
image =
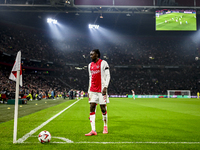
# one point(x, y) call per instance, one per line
point(107, 74)
point(89, 77)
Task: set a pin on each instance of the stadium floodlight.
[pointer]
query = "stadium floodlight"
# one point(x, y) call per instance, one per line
point(49, 20)
point(54, 21)
point(93, 26)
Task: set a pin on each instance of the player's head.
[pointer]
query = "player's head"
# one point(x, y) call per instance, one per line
point(95, 54)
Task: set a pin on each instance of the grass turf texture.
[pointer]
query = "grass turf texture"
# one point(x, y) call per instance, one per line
point(173, 25)
point(7, 111)
point(140, 120)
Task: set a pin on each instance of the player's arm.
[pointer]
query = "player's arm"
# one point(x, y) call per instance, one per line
point(107, 78)
point(89, 79)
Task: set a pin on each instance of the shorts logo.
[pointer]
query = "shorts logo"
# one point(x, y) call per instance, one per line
point(104, 98)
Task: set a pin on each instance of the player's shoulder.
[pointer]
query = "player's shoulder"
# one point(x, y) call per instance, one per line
point(104, 62)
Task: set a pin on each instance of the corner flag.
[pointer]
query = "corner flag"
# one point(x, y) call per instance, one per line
point(16, 75)
point(17, 66)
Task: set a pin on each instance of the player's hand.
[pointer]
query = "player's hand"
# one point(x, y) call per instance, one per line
point(104, 91)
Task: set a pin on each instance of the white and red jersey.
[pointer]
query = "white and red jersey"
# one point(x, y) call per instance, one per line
point(77, 93)
point(81, 93)
point(99, 76)
point(133, 92)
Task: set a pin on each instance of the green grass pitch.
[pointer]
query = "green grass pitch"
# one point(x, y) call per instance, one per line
point(132, 124)
point(184, 21)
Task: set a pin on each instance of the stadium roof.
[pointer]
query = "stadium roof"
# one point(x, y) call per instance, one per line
point(62, 7)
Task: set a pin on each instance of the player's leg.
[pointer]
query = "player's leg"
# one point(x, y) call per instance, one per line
point(103, 101)
point(95, 110)
point(92, 115)
point(93, 100)
point(92, 119)
point(105, 118)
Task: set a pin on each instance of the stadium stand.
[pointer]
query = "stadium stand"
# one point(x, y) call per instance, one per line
point(147, 65)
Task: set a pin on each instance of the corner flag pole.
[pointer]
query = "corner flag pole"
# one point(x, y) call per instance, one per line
point(16, 108)
point(16, 75)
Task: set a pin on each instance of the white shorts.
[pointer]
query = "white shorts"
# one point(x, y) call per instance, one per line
point(96, 97)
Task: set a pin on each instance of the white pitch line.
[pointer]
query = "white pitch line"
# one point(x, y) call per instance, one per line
point(61, 138)
point(160, 23)
point(83, 142)
point(190, 143)
point(138, 142)
point(39, 142)
point(64, 139)
point(26, 136)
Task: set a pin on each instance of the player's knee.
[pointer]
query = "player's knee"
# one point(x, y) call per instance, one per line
point(103, 109)
point(92, 110)
point(92, 107)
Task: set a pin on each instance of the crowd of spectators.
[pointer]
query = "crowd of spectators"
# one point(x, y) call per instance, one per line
point(129, 51)
point(126, 58)
point(155, 81)
point(32, 84)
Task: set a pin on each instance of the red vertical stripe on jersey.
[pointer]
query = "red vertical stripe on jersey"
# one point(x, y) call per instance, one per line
point(95, 69)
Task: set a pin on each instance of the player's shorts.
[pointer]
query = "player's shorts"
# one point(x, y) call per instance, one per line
point(96, 97)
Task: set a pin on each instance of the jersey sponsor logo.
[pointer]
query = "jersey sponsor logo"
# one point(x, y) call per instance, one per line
point(95, 72)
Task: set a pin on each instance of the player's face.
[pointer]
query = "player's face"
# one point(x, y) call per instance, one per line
point(93, 56)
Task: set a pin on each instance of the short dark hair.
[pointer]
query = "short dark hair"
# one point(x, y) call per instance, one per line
point(97, 52)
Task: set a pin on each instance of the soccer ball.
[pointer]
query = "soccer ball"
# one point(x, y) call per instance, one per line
point(44, 137)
